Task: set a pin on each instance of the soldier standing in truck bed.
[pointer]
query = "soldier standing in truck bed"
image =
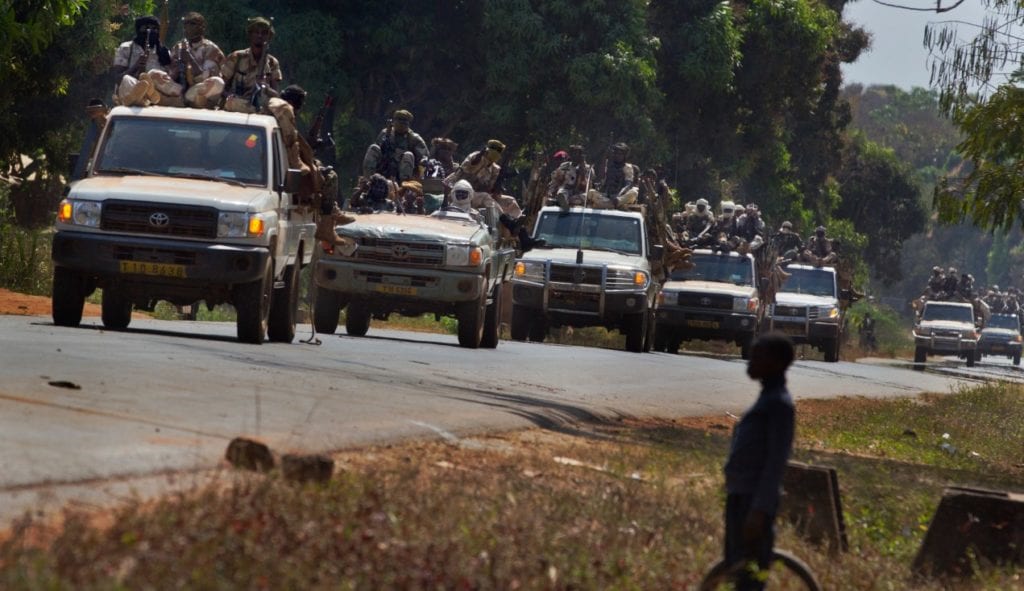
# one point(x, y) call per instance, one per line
point(252, 76)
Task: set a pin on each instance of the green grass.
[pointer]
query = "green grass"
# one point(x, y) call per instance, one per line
point(641, 510)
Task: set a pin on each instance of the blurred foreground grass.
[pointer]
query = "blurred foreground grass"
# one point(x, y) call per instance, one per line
point(628, 504)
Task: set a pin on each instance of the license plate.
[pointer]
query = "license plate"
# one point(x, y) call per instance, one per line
point(701, 324)
point(997, 348)
point(396, 290)
point(791, 328)
point(157, 269)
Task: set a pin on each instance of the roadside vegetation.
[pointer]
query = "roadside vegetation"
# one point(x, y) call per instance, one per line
point(626, 504)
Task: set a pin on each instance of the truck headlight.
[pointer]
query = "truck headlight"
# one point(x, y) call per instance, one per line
point(79, 213)
point(744, 304)
point(970, 335)
point(628, 279)
point(828, 312)
point(462, 255)
point(233, 224)
point(924, 332)
point(530, 271)
point(667, 296)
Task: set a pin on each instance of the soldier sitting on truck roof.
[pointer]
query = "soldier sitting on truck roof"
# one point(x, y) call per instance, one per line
point(819, 249)
point(788, 243)
point(252, 75)
point(571, 180)
point(397, 151)
point(699, 229)
point(621, 185)
point(196, 64)
point(141, 65)
point(750, 229)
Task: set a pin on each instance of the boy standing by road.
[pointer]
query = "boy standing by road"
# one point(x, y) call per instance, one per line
point(761, 445)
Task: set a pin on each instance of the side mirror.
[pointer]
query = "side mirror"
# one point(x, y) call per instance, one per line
point(657, 252)
point(292, 181)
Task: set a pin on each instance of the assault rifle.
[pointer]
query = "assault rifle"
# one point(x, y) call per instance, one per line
point(319, 135)
point(261, 83)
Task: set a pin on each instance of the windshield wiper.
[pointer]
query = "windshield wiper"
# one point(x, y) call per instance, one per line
point(138, 171)
point(208, 177)
point(606, 249)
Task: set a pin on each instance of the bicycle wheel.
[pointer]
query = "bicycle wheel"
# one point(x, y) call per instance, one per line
point(787, 572)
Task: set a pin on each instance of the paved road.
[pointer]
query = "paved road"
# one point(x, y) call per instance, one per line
point(166, 397)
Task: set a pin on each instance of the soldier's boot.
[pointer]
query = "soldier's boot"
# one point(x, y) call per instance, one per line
point(326, 229)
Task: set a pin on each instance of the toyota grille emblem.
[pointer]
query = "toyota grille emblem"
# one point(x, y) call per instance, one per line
point(159, 220)
point(400, 251)
point(705, 301)
point(578, 275)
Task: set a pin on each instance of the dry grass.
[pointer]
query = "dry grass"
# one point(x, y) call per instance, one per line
point(630, 505)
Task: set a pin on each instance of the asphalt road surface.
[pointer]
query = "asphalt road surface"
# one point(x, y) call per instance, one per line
point(87, 412)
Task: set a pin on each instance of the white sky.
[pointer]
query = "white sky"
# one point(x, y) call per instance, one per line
point(897, 54)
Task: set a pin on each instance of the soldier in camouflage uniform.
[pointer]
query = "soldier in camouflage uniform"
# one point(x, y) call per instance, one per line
point(700, 225)
point(252, 76)
point(819, 249)
point(397, 151)
point(197, 63)
point(571, 180)
point(442, 158)
point(621, 185)
point(140, 67)
point(788, 243)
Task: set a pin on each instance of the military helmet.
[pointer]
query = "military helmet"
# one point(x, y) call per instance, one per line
point(787, 225)
point(621, 147)
point(819, 230)
point(936, 269)
point(495, 145)
point(402, 115)
point(951, 271)
point(257, 22)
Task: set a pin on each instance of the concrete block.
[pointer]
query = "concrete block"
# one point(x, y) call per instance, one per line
point(249, 454)
point(811, 502)
point(972, 527)
point(307, 468)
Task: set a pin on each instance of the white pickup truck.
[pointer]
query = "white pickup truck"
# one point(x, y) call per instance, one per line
point(184, 205)
point(946, 328)
point(807, 309)
point(594, 270)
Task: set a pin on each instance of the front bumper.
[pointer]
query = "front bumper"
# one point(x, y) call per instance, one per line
point(940, 344)
point(806, 331)
point(135, 259)
point(1001, 347)
point(391, 286)
point(707, 324)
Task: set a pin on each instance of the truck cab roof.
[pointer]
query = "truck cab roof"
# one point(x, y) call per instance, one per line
point(195, 115)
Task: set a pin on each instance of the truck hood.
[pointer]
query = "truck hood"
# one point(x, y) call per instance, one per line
point(415, 228)
point(174, 190)
point(567, 256)
point(803, 299)
point(946, 325)
point(746, 291)
point(999, 333)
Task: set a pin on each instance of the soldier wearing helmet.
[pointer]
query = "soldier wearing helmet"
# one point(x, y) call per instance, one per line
point(621, 184)
point(251, 76)
point(936, 283)
point(951, 284)
point(750, 228)
point(397, 151)
point(819, 249)
point(788, 243)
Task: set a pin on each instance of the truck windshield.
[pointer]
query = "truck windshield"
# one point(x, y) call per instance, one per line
point(951, 313)
point(1004, 321)
point(591, 230)
point(191, 149)
point(810, 281)
point(723, 268)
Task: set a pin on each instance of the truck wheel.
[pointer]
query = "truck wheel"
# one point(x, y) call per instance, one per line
point(661, 340)
point(831, 350)
point(470, 316)
point(116, 309)
point(920, 354)
point(971, 359)
point(674, 342)
point(357, 320)
point(538, 330)
point(68, 297)
point(284, 306)
point(492, 321)
point(252, 304)
point(326, 311)
point(652, 325)
point(520, 328)
point(635, 327)
point(1016, 359)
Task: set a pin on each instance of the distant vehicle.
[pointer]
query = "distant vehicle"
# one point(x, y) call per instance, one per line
point(716, 300)
point(807, 309)
point(946, 328)
point(1001, 336)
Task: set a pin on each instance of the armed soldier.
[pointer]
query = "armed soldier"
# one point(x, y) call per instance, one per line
point(140, 67)
point(699, 229)
point(251, 76)
point(571, 180)
point(397, 151)
point(950, 285)
point(936, 283)
point(442, 158)
point(750, 228)
point(621, 184)
point(819, 250)
point(788, 243)
point(197, 63)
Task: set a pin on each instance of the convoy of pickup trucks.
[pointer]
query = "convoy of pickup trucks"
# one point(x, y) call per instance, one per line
point(213, 216)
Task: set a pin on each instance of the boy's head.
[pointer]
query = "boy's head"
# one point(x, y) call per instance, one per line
point(770, 356)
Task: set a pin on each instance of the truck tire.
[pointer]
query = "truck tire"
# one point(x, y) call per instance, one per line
point(675, 341)
point(745, 347)
point(252, 304)
point(831, 350)
point(326, 310)
point(635, 328)
point(1016, 359)
point(470, 316)
point(116, 309)
point(520, 327)
point(538, 330)
point(971, 357)
point(284, 306)
point(652, 331)
point(68, 297)
point(920, 354)
point(492, 321)
point(357, 320)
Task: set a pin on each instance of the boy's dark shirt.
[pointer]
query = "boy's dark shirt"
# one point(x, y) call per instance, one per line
point(761, 444)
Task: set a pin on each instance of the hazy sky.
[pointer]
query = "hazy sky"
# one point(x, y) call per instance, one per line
point(897, 54)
